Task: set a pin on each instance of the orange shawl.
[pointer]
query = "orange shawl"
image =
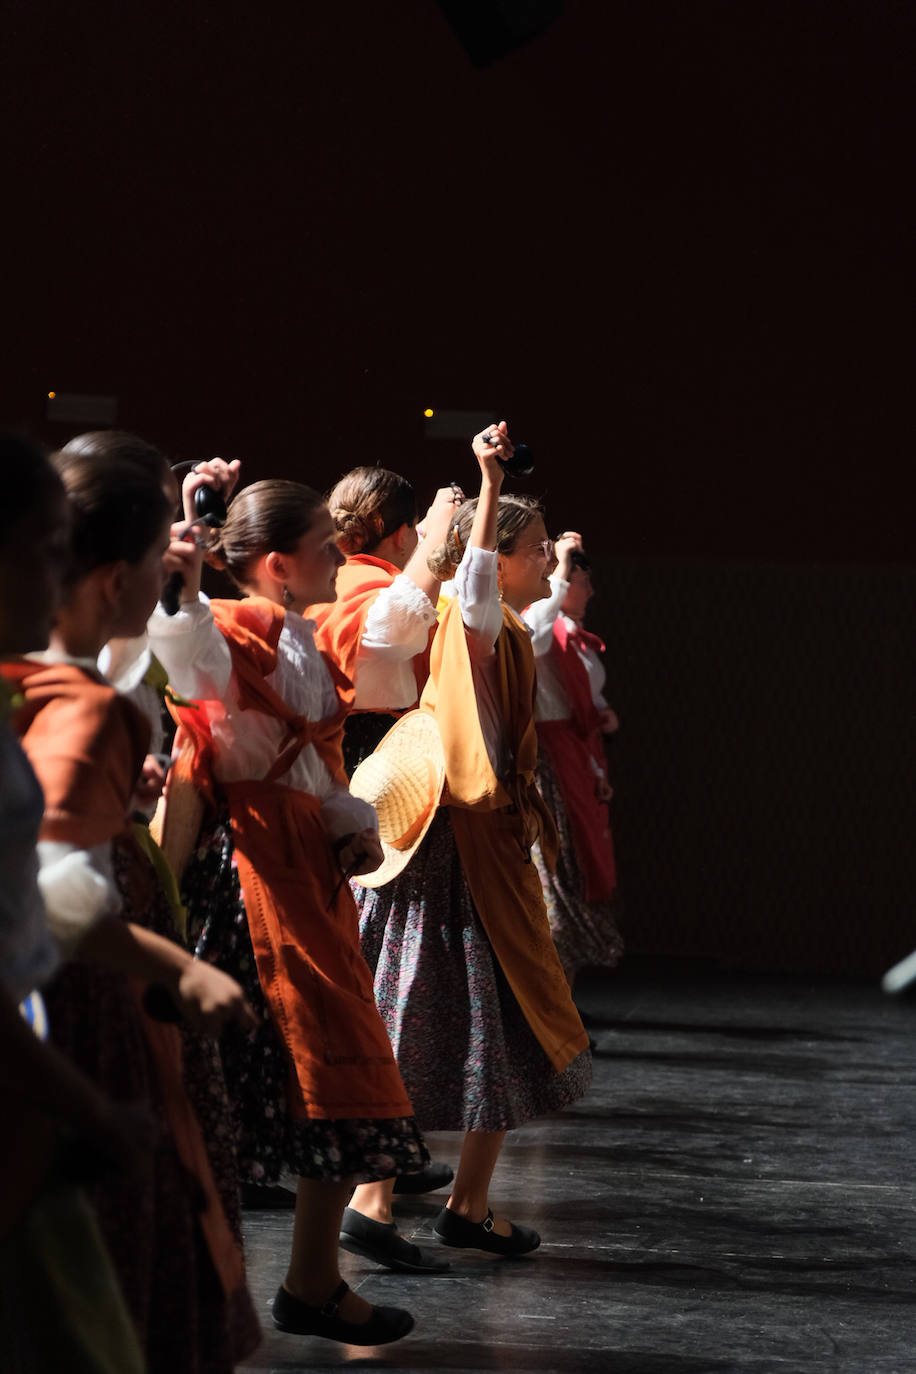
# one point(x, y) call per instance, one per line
point(303, 921)
point(341, 622)
point(496, 820)
point(87, 743)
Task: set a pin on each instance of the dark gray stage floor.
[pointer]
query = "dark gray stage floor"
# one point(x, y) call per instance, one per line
point(736, 1193)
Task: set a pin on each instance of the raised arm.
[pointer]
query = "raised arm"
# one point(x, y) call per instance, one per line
point(433, 530)
point(540, 615)
point(477, 577)
point(491, 445)
point(189, 645)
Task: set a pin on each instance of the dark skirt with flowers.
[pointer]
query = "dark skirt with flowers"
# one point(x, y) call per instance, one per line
point(363, 730)
point(468, 1057)
point(585, 933)
point(270, 1141)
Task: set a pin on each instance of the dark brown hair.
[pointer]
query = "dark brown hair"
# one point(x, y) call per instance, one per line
point(117, 443)
point(367, 505)
point(118, 508)
point(514, 514)
point(267, 517)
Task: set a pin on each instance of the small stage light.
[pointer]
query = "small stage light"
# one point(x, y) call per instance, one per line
point(429, 413)
point(51, 395)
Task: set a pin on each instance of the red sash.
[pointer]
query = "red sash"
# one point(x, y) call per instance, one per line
point(574, 746)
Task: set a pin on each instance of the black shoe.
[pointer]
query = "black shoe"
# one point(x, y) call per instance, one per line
point(385, 1324)
point(456, 1230)
point(380, 1241)
point(428, 1180)
point(258, 1196)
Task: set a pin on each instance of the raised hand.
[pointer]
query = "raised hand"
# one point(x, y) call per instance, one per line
point(185, 557)
point(492, 446)
point(569, 542)
point(435, 524)
point(212, 472)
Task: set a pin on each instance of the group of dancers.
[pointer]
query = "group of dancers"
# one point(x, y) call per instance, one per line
point(383, 855)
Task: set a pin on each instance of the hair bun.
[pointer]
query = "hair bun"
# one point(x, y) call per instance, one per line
point(354, 531)
point(214, 555)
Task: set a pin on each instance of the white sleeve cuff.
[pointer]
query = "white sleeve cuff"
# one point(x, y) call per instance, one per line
point(192, 650)
point(344, 814)
point(541, 615)
point(398, 623)
point(477, 585)
point(78, 890)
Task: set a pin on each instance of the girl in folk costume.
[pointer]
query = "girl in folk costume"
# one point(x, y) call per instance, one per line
point(111, 918)
point(127, 663)
point(572, 719)
point(466, 974)
point(378, 632)
point(60, 1304)
point(379, 629)
point(316, 1089)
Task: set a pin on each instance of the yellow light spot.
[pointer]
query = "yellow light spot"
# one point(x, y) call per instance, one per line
point(51, 395)
point(429, 414)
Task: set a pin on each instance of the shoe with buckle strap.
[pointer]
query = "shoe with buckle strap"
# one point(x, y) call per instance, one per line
point(456, 1230)
point(385, 1324)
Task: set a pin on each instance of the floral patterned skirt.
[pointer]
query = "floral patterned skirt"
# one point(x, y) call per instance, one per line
point(468, 1057)
point(269, 1139)
point(585, 933)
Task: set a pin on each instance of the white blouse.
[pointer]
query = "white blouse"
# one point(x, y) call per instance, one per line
point(396, 629)
point(552, 702)
point(125, 663)
point(477, 589)
point(246, 743)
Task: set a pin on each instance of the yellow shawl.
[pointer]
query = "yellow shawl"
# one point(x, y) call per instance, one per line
point(496, 820)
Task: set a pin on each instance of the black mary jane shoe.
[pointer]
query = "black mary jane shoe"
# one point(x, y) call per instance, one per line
point(436, 1175)
point(381, 1242)
point(456, 1230)
point(385, 1324)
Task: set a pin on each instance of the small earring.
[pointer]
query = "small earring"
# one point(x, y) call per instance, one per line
point(286, 595)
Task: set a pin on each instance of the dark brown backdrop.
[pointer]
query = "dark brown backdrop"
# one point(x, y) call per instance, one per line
point(670, 243)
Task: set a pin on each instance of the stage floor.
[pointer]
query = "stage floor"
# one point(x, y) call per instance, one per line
point(735, 1193)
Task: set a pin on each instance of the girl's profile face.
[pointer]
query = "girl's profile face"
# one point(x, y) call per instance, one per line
point(524, 574)
point(33, 563)
point(142, 586)
point(311, 570)
point(579, 594)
